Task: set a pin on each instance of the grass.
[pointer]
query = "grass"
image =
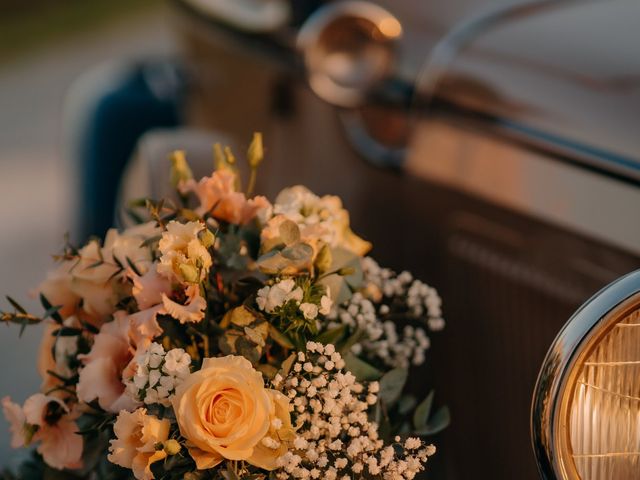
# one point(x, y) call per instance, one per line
point(27, 31)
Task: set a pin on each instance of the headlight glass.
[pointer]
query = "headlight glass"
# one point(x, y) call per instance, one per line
point(603, 404)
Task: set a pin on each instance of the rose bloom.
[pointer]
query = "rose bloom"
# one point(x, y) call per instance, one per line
point(224, 411)
point(218, 197)
point(134, 447)
point(46, 420)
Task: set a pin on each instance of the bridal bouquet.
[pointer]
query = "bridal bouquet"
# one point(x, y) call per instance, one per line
point(227, 337)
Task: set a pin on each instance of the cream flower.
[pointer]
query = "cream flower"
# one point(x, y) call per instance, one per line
point(218, 197)
point(309, 310)
point(137, 437)
point(192, 311)
point(326, 303)
point(270, 298)
point(320, 219)
point(224, 411)
point(184, 258)
point(46, 420)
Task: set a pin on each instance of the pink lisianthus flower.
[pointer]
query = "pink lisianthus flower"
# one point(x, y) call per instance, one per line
point(110, 359)
point(46, 420)
point(219, 198)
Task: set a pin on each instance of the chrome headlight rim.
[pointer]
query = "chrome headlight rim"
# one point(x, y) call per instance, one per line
point(551, 398)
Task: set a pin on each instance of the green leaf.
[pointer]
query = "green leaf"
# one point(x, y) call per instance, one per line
point(150, 241)
point(352, 340)
point(67, 332)
point(421, 415)
point(285, 368)
point(391, 385)
point(332, 336)
point(48, 307)
point(135, 269)
point(437, 423)
point(296, 257)
point(280, 338)
point(16, 305)
point(361, 369)
point(406, 404)
point(289, 232)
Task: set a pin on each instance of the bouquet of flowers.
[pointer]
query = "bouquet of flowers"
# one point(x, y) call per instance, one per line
point(226, 337)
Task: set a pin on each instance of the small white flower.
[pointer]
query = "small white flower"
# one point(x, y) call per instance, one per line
point(309, 310)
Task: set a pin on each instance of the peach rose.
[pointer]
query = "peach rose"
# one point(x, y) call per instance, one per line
point(218, 196)
point(46, 420)
point(137, 435)
point(224, 411)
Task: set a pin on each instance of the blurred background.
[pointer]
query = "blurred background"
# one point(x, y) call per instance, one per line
point(46, 46)
point(489, 146)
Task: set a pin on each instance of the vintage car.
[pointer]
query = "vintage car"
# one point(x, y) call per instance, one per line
point(501, 147)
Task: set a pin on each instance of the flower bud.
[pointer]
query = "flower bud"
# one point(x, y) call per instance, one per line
point(189, 273)
point(172, 447)
point(218, 157)
point(346, 271)
point(324, 259)
point(255, 154)
point(207, 238)
point(180, 170)
point(229, 157)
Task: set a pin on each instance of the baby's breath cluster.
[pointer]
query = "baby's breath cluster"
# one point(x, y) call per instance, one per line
point(157, 374)
point(376, 310)
point(335, 438)
point(421, 299)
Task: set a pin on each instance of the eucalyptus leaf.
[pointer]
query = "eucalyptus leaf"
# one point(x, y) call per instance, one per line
point(361, 369)
point(289, 232)
point(332, 336)
point(291, 259)
point(421, 414)
point(406, 404)
point(391, 385)
point(280, 338)
point(438, 422)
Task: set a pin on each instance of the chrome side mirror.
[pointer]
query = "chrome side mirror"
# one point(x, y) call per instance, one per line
point(348, 49)
point(586, 407)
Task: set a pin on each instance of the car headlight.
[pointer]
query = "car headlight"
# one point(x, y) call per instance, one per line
point(586, 406)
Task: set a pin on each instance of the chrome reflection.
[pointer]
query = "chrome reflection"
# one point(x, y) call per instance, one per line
point(349, 48)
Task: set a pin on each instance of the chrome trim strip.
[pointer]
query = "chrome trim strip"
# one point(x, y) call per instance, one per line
point(463, 156)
